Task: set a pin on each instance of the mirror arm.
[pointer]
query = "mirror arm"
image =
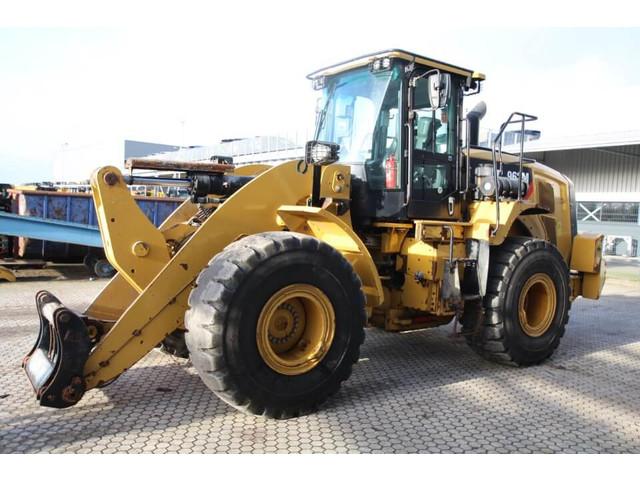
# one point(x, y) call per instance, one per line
point(414, 79)
point(410, 116)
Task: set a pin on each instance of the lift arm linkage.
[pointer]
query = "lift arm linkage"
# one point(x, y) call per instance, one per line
point(140, 254)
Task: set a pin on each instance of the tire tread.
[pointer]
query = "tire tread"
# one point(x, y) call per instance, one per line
point(209, 305)
point(483, 324)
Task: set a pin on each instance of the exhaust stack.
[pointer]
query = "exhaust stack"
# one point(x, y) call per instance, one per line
point(474, 116)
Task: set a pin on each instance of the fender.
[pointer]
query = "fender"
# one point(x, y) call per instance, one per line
point(327, 227)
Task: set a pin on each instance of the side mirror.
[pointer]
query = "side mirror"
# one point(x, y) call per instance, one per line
point(438, 86)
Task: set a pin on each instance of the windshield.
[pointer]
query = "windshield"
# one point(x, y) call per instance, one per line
point(353, 104)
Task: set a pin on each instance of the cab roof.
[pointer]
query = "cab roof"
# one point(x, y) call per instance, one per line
point(395, 53)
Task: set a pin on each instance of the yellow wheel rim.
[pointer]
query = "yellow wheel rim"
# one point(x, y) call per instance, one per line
point(295, 329)
point(537, 305)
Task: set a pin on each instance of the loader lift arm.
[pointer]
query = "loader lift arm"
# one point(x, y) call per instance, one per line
point(164, 283)
point(147, 300)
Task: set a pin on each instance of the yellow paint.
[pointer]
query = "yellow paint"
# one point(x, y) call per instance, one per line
point(537, 305)
point(295, 329)
point(483, 219)
point(425, 263)
point(332, 230)
point(335, 182)
point(392, 239)
point(592, 283)
point(140, 249)
point(587, 260)
point(122, 226)
point(408, 226)
point(433, 230)
point(545, 179)
point(586, 253)
point(6, 274)
point(113, 300)
point(562, 208)
point(422, 260)
point(251, 170)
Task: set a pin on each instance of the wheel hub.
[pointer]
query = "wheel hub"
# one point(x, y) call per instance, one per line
point(537, 305)
point(295, 329)
point(287, 325)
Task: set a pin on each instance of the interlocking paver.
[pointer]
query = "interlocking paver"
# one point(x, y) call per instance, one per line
point(416, 392)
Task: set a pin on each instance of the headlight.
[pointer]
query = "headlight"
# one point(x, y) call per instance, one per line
point(321, 153)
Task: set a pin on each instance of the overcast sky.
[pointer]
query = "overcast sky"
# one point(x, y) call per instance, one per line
point(69, 97)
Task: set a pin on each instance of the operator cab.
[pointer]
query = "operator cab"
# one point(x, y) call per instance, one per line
point(395, 116)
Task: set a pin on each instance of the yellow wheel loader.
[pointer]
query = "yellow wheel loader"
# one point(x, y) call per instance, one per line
point(268, 274)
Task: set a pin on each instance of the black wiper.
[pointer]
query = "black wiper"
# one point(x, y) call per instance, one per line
point(323, 112)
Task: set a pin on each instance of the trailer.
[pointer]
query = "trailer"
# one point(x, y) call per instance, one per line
point(62, 226)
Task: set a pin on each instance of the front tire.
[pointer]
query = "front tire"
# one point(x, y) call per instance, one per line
point(275, 323)
point(524, 312)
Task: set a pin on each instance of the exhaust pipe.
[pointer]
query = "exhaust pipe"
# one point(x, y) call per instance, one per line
point(474, 116)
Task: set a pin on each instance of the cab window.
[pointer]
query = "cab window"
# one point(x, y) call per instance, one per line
point(433, 143)
point(432, 130)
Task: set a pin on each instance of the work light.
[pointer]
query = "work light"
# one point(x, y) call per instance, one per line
point(318, 83)
point(380, 64)
point(321, 153)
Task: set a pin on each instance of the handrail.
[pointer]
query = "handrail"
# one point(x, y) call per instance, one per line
point(468, 155)
point(496, 150)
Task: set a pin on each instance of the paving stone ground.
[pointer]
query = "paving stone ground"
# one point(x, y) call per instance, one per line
point(416, 392)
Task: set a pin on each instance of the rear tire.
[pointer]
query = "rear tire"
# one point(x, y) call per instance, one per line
point(526, 307)
point(296, 280)
point(174, 344)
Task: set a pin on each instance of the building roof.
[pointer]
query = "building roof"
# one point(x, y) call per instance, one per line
point(395, 53)
point(577, 142)
point(260, 149)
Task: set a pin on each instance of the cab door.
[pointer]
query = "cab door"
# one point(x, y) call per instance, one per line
point(432, 140)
